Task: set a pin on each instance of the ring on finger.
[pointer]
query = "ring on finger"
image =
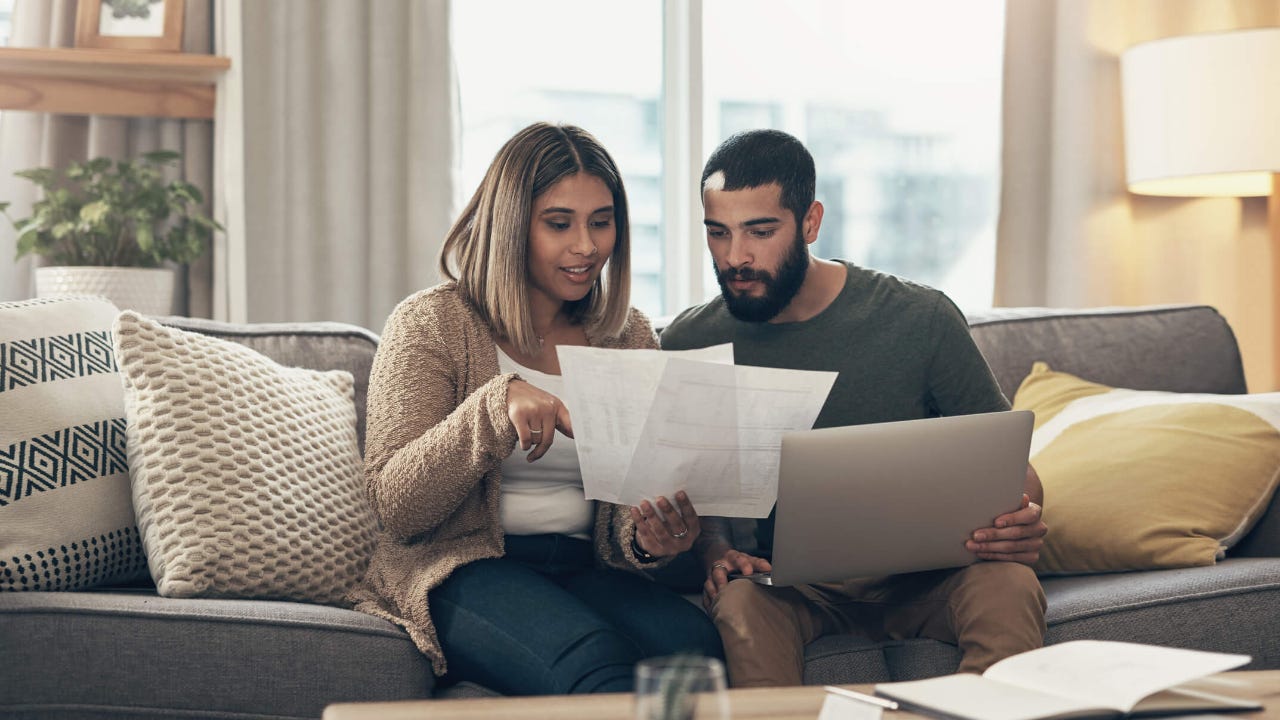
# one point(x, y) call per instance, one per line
point(682, 533)
point(720, 565)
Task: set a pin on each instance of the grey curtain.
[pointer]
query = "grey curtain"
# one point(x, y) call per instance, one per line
point(1070, 234)
point(39, 139)
point(351, 154)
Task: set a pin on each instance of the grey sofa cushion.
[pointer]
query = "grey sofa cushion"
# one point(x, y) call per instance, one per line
point(1228, 607)
point(314, 345)
point(131, 654)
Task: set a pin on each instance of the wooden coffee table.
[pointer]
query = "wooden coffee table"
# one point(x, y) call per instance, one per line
point(790, 703)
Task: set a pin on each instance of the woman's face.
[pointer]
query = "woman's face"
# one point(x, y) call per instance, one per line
point(571, 235)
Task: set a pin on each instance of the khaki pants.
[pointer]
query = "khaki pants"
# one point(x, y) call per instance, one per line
point(990, 609)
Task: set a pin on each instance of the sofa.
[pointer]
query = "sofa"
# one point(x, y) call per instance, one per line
point(122, 652)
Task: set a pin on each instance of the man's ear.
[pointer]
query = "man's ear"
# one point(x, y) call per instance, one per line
point(812, 222)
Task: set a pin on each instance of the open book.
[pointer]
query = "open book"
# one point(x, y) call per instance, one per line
point(1084, 678)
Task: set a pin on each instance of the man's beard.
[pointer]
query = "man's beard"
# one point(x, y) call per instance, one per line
point(778, 291)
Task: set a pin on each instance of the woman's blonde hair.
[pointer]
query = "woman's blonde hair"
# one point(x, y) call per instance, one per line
point(489, 242)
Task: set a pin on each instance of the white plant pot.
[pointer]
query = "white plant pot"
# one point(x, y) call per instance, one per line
point(149, 291)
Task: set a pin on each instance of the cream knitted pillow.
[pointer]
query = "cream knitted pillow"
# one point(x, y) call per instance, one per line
point(246, 475)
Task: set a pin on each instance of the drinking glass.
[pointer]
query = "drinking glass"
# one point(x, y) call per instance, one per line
point(681, 687)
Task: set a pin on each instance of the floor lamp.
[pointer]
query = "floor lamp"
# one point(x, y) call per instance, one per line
point(1202, 119)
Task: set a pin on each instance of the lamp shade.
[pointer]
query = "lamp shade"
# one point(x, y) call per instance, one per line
point(1202, 114)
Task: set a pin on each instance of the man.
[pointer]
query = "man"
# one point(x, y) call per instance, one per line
point(902, 351)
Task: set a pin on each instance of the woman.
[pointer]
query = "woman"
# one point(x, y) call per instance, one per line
point(493, 559)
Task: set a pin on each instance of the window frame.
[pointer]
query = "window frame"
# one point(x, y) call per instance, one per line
point(685, 264)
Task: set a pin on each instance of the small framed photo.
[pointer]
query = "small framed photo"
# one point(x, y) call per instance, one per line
point(130, 25)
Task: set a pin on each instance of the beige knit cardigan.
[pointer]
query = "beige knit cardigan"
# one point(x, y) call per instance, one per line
point(437, 434)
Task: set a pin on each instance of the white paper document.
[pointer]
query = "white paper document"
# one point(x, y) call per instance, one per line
point(835, 707)
point(649, 423)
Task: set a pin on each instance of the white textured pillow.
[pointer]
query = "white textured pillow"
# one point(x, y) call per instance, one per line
point(247, 479)
point(66, 520)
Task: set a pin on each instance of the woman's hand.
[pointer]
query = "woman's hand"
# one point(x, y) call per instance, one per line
point(536, 415)
point(671, 534)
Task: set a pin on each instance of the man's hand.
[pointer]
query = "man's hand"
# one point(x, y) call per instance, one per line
point(719, 569)
point(1015, 537)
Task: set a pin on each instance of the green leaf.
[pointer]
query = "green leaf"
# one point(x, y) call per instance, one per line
point(185, 192)
point(145, 237)
point(161, 157)
point(99, 165)
point(95, 213)
point(63, 229)
point(44, 177)
point(207, 224)
point(26, 245)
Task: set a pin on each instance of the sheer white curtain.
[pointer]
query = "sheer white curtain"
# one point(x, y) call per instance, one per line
point(1070, 235)
point(42, 140)
point(350, 137)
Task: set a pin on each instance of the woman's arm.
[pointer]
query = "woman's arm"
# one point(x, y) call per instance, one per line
point(425, 450)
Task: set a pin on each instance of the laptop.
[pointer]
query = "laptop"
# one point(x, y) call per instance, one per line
point(889, 498)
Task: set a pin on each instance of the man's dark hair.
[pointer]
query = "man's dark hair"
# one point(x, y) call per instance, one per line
point(754, 158)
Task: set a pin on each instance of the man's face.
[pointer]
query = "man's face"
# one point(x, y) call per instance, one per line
point(760, 254)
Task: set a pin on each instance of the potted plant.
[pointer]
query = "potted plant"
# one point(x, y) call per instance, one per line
point(107, 227)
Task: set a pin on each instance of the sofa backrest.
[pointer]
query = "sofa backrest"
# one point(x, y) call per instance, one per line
point(313, 345)
point(1175, 348)
point(1183, 348)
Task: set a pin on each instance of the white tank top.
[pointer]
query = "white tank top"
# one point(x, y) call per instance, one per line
point(544, 496)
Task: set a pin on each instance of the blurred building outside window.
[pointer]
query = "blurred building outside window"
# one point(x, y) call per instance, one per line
point(898, 102)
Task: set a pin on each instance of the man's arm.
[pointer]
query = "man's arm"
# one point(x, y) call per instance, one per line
point(1032, 486)
point(961, 382)
point(1016, 536)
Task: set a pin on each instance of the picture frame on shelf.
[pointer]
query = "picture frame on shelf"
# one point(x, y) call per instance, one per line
point(148, 25)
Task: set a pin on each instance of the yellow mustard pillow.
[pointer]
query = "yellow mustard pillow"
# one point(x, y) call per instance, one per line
point(1138, 479)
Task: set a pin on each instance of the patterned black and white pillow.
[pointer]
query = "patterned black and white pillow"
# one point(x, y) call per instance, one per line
point(66, 511)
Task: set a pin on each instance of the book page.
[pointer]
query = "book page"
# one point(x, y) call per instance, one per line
point(1110, 674)
point(979, 698)
point(1184, 700)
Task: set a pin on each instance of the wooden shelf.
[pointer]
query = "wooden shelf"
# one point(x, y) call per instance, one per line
point(109, 82)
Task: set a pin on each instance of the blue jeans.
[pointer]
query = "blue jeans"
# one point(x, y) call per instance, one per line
point(545, 620)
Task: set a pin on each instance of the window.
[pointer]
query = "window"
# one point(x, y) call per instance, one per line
point(6, 16)
point(587, 63)
point(898, 102)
